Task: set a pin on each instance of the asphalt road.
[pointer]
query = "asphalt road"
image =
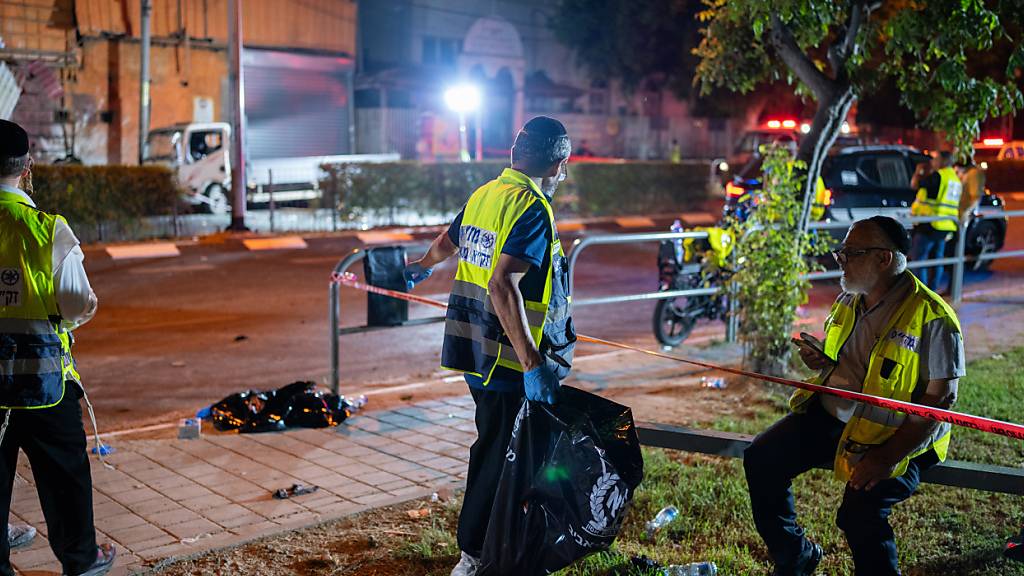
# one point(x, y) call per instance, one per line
point(175, 334)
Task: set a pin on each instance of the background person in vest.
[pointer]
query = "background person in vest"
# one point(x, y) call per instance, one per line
point(886, 335)
point(508, 326)
point(938, 194)
point(44, 294)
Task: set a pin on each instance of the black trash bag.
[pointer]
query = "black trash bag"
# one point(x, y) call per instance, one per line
point(299, 404)
point(569, 475)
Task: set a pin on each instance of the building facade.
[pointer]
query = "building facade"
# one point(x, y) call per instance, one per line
point(76, 71)
point(411, 50)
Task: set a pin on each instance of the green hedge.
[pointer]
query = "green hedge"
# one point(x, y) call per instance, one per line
point(104, 201)
point(592, 189)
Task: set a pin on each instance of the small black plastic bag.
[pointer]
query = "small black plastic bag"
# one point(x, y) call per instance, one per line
point(569, 475)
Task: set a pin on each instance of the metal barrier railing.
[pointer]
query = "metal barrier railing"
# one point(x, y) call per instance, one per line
point(334, 316)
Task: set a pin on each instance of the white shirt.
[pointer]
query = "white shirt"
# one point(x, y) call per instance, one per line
point(76, 301)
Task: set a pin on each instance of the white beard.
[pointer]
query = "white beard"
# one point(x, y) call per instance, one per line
point(853, 287)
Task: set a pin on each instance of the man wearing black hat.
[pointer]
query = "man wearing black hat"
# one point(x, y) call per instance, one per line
point(44, 294)
point(508, 326)
point(887, 335)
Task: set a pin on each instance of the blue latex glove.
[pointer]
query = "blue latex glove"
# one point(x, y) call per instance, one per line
point(541, 384)
point(415, 273)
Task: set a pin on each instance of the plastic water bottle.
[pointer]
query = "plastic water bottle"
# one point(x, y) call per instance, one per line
point(677, 226)
point(664, 517)
point(694, 569)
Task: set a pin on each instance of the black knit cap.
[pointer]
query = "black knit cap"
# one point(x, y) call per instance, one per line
point(13, 140)
point(893, 230)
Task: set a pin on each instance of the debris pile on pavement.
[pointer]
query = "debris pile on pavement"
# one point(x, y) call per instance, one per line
point(298, 405)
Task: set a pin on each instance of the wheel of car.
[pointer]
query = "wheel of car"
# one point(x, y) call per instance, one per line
point(218, 200)
point(985, 240)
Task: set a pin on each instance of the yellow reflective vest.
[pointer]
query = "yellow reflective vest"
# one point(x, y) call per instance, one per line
point(474, 340)
point(35, 353)
point(946, 203)
point(893, 371)
point(719, 240)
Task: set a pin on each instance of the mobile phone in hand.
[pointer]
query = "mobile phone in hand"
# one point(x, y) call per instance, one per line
point(810, 342)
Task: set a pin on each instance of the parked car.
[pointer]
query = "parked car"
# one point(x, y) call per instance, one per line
point(865, 181)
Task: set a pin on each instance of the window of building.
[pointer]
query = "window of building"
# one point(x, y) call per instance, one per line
point(441, 51)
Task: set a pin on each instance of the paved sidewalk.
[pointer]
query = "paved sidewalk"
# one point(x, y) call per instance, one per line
point(171, 497)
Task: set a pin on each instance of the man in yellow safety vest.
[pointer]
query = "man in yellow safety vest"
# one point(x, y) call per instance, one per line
point(44, 294)
point(887, 335)
point(508, 326)
point(938, 194)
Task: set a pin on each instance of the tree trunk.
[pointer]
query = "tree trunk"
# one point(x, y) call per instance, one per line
point(828, 122)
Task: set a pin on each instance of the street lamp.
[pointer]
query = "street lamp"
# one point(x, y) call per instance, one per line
point(464, 99)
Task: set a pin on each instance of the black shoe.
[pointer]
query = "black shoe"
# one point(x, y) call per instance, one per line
point(806, 566)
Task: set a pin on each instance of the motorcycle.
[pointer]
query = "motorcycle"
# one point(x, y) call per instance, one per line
point(690, 264)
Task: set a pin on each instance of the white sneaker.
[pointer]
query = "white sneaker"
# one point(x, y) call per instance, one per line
point(19, 535)
point(467, 566)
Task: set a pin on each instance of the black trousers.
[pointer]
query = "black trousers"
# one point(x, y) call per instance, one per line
point(54, 441)
point(495, 414)
point(794, 445)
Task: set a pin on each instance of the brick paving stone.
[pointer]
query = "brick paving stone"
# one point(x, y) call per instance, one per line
point(374, 499)
point(143, 549)
point(186, 492)
point(251, 529)
point(29, 559)
point(134, 495)
point(378, 478)
point(197, 470)
point(381, 458)
point(235, 522)
point(389, 486)
point(271, 509)
point(401, 449)
point(154, 506)
point(225, 512)
point(422, 475)
point(239, 489)
point(335, 461)
point(399, 466)
point(173, 517)
point(193, 528)
point(219, 477)
point(203, 503)
point(442, 462)
point(169, 481)
point(126, 520)
point(135, 534)
point(107, 509)
point(351, 489)
point(341, 508)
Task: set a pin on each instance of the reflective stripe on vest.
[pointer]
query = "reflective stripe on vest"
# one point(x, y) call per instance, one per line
point(474, 341)
point(946, 203)
point(893, 371)
point(35, 356)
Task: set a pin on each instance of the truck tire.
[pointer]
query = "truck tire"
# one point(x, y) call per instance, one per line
point(218, 200)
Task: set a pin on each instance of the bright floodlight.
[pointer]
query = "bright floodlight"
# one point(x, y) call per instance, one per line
point(805, 128)
point(845, 128)
point(463, 98)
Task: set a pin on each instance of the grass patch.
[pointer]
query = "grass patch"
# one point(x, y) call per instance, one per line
point(940, 530)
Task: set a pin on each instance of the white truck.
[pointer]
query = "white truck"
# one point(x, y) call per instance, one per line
point(199, 154)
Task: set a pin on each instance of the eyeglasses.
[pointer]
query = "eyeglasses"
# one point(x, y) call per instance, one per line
point(845, 253)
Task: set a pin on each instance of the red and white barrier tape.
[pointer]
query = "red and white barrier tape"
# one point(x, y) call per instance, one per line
point(1008, 429)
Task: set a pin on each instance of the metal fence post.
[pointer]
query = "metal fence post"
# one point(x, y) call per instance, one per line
point(957, 285)
point(270, 189)
point(335, 345)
